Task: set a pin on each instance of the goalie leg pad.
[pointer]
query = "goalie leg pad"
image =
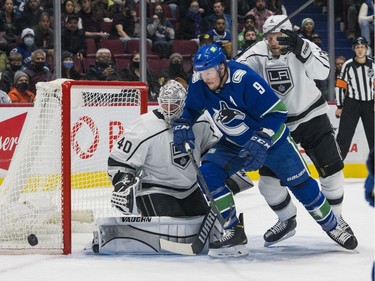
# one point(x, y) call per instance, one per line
point(140, 235)
point(239, 182)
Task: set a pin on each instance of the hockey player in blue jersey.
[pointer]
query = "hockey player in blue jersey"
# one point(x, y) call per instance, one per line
point(251, 118)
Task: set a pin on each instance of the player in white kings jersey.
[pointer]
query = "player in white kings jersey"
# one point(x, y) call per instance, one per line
point(290, 64)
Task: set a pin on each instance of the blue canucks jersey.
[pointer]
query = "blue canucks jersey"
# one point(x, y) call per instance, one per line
point(243, 105)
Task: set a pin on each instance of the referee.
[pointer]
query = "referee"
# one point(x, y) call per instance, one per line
point(355, 96)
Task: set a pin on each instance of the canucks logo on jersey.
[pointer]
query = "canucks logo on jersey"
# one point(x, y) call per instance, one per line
point(228, 120)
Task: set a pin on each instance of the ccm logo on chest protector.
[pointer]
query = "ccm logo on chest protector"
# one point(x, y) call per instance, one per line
point(280, 80)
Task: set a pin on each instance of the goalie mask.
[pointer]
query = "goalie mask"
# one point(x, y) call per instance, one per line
point(171, 100)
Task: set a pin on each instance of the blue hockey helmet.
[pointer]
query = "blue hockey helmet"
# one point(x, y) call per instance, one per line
point(208, 56)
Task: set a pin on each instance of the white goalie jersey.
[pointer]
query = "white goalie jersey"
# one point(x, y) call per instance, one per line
point(148, 147)
point(291, 80)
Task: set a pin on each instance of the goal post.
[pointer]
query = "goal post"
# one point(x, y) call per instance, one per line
point(57, 179)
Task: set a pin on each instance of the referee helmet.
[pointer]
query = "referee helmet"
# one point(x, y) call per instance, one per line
point(360, 41)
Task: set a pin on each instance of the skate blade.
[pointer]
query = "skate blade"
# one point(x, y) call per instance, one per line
point(234, 252)
point(286, 236)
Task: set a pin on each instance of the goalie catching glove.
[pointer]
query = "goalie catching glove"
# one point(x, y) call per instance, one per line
point(124, 194)
point(294, 43)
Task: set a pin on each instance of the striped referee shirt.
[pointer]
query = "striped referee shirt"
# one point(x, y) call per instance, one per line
point(355, 81)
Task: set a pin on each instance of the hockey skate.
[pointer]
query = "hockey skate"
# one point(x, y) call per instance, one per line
point(280, 231)
point(344, 225)
point(343, 238)
point(232, 244)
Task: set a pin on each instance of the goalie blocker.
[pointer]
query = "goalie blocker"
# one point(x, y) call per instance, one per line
point(141, 235)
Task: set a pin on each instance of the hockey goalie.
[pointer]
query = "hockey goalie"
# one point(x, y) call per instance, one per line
point(155, 185)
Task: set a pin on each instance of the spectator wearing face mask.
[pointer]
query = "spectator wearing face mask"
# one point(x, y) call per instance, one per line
point(133, 73)
point(20, 93)
point(37, 70)
point(7, 77)
point(26, 47)
point(190, 27)
point(67, 67)
point(160, 31)
point(175, 71)
point(103, 69)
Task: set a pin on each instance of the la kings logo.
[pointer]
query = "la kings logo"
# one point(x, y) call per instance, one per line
point(280, 80)
point(179, 158)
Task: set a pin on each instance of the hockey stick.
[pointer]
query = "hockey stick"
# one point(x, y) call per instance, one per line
point(204, 184)
point(197, 246)
point(276, 26)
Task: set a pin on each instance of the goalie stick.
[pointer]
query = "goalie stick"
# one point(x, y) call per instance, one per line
point(275, 27)
point(197, 246)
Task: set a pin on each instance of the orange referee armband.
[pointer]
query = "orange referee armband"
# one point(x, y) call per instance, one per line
point(341, 84)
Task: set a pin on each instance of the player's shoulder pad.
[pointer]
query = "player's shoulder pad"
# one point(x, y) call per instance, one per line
point(238, 71)
point(259, 49)
point(148, 124)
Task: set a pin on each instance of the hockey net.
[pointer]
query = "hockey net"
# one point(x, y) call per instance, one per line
point(58, 175)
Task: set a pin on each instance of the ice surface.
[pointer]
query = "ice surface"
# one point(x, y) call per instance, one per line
point(309, 255)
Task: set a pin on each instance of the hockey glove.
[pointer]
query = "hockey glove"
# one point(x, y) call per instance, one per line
point(124, 194)
point(294, 43)
point(255, 151)
point(183, 133)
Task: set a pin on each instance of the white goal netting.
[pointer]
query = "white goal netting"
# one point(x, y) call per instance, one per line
point(61, 162)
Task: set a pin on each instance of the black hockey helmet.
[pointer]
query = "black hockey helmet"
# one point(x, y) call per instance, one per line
point(360, 41)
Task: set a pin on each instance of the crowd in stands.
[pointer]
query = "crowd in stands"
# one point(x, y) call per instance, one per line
point(100, 39)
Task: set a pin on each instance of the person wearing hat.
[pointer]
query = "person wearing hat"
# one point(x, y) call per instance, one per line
point(307, 28)
point(73, 38)
point(249, 24)
point(205, 39)
point(26, 47)
point(7, 77)
point(20, 94)
point(67, 67)
point(175, 71)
